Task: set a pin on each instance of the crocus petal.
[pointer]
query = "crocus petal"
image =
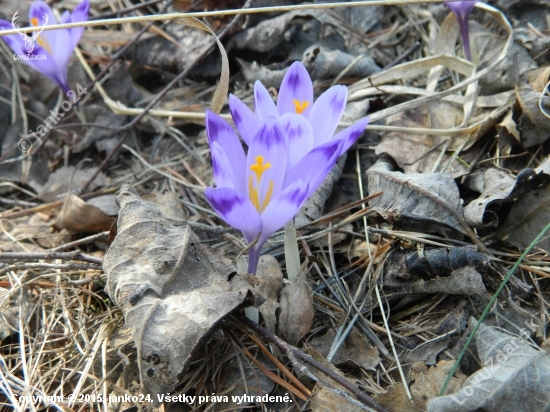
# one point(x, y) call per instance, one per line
point(296, 92)
point(47, 67)
point(299, 134)
point(80, 13)
point(326, 113)
point(223, 171)
point(315, 165)
point(50, 40)
point(462, 10)
point(266, 163)
point(64, 50)
point(264, 103)
point(246, 121)
point(352, 133)
point(220, 131)
point(282, 208)
point(236, 210)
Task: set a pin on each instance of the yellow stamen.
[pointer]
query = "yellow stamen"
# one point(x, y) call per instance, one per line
point(259, 168)
point(45, 44)
point(253, 194)
point(267, 197)
point(300, 106)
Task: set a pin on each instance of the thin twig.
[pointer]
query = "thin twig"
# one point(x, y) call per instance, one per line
point(76, 255)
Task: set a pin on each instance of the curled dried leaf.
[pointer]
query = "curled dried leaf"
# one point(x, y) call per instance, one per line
point(172, 289)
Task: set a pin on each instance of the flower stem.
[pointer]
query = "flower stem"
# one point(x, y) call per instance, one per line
point(253, 259)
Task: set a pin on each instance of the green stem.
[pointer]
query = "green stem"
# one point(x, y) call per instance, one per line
point(490, 305)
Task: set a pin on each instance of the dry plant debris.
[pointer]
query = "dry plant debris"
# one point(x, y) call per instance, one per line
point(121, 289)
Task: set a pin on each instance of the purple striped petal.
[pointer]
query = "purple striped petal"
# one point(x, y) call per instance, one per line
point(351, 134)
point(266, 162)
point(263, 102)
point(223, 171)
point(80, 13)
point(326, 113)
point(246, 121)
point(299, 134)
point(65, 45)
point(296, 92)
point(282, 208)
point(315, 165)
point(220, 131)
point(236, 210)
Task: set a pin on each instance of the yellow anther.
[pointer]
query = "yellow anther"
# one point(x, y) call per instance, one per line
point(259, 168)
point(46, 44)
point(267, 197)
point(253, 194)
point(300, 106)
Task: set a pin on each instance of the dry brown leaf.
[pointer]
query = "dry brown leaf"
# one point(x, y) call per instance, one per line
point(500, 188)
point(396, 399)
point(428, 381)
point(172, 289)
point(409, 150)
point(355, 348)
point(296, 313)
point(77, 216)
point(427, 202)
point(536, 126)
point(59, 181)
point(168, 204)
point(324, 399)
point(538, 79)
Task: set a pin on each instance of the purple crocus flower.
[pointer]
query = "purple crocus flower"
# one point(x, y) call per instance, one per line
point(49, 51)
point(290, 152)
point(462, 10)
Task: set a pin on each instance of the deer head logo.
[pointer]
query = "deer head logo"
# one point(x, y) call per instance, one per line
point(29, 40)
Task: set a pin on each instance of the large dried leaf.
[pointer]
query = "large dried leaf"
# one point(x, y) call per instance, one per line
point(427, 202)
point(514, 377)
point(500, 188)
point(171, 289)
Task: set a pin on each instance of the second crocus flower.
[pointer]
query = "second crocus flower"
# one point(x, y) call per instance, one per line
point(52, 51)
